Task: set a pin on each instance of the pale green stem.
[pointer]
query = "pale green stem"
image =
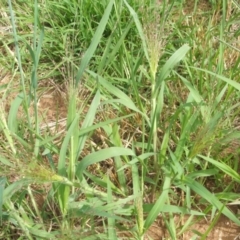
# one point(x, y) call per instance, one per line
point(7, 133)
point(74, 138)
point(154, 122)
point(35, 206)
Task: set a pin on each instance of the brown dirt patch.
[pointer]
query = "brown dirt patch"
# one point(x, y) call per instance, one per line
point(223, 230)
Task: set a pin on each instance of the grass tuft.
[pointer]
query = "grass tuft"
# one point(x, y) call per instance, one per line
point(117, 117)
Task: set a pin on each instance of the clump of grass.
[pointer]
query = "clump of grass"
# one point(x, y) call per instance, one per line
point(170, 149)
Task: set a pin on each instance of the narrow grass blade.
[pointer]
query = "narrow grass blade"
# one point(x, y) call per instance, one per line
point(213, 223)
point(88, 121)
point(139, 28)
point(64, 147)
point(90, 128)
point(102, 183)
point(173, 209)
point(6, 130)
point(224, 167)
point(115, 138)
point(101, 155)
point(211, 198)
point(159, 205)
point(23, 223)
point(111, 221)
point(190, 121)
point(74, 140)
point(124, 99)
point(6, 162)
point(194, 92)
point(171, 63)
point(140, 158)
point(95, 41)
point(111, 56)
point(12, 116)
point(13, 188)
point(231, 82)
point(137, 192)
point(3, 181)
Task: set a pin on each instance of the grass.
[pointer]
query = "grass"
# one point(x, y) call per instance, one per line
point(142, 98)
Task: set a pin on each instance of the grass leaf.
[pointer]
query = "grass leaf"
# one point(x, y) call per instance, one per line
point(210, 197)
point(101, 155)
point(159, 204)
point(95, 41)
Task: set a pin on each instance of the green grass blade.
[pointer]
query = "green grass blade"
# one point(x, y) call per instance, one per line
point(13, 188)
point(6, 130)
point(141, 158)
point(171, 63)
point(3, 181)
point(194, 92)
point(88, 121)
point(102, 183)
point(159, 204)
point(74, 140)
point(12, 116)
point(139, 28)
point(114, 52)
point(95, 41)
point(64, 147)
point(99, 156)
point(111, 221)
point(124, 99)
point(210, 197)
point(224, 167)
point(86, 130)
point(115, 139)
point(137, 192)
point(231, 82)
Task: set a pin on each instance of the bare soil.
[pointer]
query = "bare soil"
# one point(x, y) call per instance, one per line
point(223, 230)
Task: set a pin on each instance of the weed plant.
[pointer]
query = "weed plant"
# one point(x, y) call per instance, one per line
point(144, 122)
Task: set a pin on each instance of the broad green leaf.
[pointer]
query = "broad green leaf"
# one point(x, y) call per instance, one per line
point(101, 155)
point(12, 116)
